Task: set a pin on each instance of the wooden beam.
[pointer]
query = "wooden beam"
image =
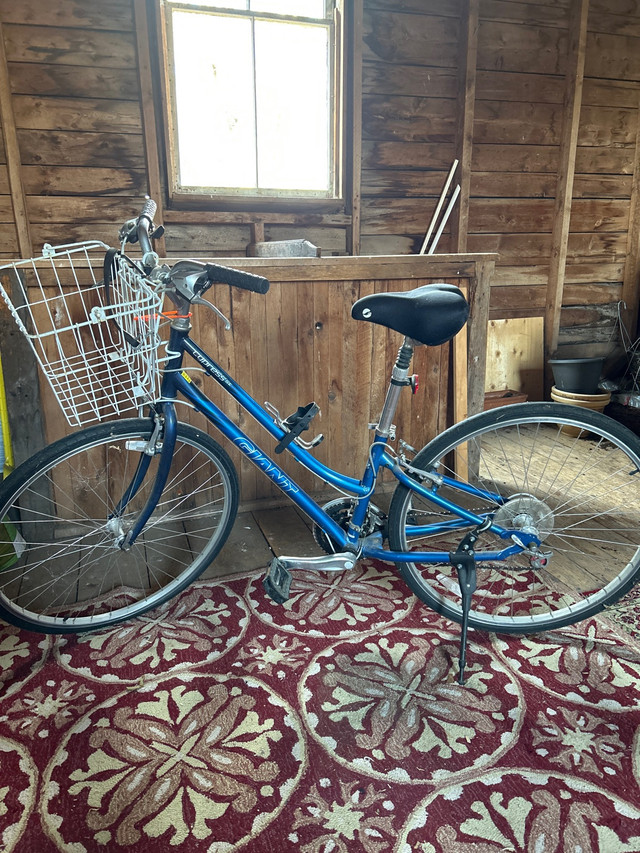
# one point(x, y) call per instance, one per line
point(231, 217)
point(479, 299)
point(12, 151)
point(355, 158)
point(631, 275)
point(22, 387)
point(470, 359)
point(466, 109)
point(18, 363)
point(387, 267)
point(461, 388)
point(257, 231)
point(564, 189)
point(147, 106)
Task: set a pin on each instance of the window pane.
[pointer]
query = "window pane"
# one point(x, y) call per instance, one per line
point(292, 84)
point(302, 8)
point(214, 100)
point(218, 4)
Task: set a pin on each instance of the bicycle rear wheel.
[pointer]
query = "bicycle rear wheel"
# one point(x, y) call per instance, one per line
point(66, 574)
point(568, 474)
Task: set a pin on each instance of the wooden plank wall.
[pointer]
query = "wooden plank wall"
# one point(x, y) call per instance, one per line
point(523, 68)
point(482, 80)
point(603, 163)
point(75, 103)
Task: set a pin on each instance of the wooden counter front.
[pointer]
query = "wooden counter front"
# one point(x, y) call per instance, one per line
point(298, 343)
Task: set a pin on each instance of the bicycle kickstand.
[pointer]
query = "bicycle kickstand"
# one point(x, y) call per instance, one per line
point(463, 561)
point(466, 569)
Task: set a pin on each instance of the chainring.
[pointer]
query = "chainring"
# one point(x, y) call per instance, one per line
point(341, 510)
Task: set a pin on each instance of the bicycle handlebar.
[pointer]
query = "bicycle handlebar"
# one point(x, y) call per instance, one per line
point(149, 208)
point(145, 220)
point(141, 230)
point(144, 223)
point(237, 278)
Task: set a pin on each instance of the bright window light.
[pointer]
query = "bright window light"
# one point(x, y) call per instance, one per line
point(252, 91)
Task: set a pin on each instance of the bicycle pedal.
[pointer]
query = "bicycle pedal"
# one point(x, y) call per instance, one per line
point(277, 581)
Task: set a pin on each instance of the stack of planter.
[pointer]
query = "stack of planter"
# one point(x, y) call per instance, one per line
point(576, 383)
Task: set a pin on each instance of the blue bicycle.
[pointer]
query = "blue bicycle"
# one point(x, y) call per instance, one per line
point(519, 519)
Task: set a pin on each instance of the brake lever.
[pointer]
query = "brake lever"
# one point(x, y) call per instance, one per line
point(127, 233)
point(198, 300)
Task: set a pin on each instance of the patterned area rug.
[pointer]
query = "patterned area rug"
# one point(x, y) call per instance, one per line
point(332, 725)
point(625, 613)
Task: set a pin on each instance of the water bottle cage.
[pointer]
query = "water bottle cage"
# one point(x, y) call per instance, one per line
point(296, 424)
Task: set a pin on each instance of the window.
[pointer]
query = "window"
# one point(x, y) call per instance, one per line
point(254, 97)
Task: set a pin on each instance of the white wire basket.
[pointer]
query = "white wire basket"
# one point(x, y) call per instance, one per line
point(96, 345)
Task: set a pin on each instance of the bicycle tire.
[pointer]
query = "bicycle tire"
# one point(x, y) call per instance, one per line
point(570, 473)
point(70, 576)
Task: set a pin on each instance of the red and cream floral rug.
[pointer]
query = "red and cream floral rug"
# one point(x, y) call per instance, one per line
point(333, 724)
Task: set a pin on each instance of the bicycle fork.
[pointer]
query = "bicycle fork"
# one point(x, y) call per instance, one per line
point(164, 433)
point(165, 430)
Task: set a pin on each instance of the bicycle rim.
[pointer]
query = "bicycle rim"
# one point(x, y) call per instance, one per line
point(67, 573)
point(570, 476)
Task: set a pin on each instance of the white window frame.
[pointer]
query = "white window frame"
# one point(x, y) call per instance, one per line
point(251, 198)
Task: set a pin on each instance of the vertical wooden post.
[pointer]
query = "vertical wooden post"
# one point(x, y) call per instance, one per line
point(631, 275)
point(355, 132)
point(478, 294)
point(19, 365)
point(479, 297)
point(466, 108)
point(470, 362)
point(257, 231)
point(461, 390)
point(564, 186)
point(12, 150)
point(147, 106)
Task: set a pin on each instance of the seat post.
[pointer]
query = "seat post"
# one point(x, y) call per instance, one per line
point(399, 378)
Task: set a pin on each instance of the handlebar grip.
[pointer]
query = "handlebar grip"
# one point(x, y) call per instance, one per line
point(149, 208)
point(237, 278)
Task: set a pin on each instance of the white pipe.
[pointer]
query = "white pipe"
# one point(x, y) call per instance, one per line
point(434, 218)
point(447, 214)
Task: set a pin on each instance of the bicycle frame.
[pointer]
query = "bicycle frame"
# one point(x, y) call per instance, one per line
point(177, 381)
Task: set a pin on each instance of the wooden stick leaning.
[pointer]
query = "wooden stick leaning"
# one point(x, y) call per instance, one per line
point(436, 214)
point(447, 214)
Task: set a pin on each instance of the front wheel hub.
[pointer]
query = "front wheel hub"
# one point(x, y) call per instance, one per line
point(117, 529)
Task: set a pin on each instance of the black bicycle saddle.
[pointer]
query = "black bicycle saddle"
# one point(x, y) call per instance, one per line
point(431, 314)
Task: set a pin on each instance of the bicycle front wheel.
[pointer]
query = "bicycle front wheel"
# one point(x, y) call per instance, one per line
point(63, 571)
point(568, 475)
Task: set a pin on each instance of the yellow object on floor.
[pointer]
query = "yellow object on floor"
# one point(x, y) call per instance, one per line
point(4, 420)
point(11, 543)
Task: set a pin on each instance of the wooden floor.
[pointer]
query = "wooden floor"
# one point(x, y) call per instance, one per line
point(260, 535)
point(257, 537)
